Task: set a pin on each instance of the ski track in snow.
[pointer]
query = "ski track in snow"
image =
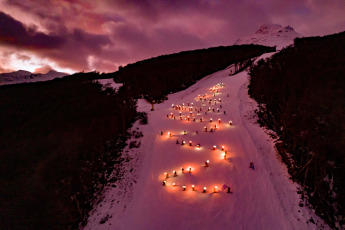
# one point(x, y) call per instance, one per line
point(263, 198)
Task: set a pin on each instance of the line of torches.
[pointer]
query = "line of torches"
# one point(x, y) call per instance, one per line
point(207, 164)
point(214, 90)
point(184, 186)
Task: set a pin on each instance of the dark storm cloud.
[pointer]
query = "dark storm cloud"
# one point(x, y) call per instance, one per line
point(70, 49)
point(88, 34)
point(14, 33)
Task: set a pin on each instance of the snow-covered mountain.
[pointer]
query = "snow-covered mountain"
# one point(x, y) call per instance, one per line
point(271, 35)
point(22, 76)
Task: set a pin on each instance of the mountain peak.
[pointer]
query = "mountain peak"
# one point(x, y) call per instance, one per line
point(266, 28)
point(271, 35)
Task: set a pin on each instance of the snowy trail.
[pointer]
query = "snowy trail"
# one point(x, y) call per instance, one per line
point(263, 198)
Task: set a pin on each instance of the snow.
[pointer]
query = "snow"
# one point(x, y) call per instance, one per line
point(22, 76)
point(271, 35)
point(264, 198)
point(109, 83)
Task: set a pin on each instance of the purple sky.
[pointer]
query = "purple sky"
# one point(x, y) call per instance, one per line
point(85, 35)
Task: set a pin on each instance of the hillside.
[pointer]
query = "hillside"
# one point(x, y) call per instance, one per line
point(61, 140)
point(259, 198)
point(58, 140)
point(302, 98)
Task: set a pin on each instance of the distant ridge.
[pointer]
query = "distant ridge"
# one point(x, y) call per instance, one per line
point(22, 76)
point(271, 35)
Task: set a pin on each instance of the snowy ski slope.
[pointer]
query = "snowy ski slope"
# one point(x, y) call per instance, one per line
point(263, 198)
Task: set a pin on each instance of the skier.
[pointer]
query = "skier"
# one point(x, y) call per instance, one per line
point(161, 132)
point(224, 112)
point(251, 165)
point(177, 142)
